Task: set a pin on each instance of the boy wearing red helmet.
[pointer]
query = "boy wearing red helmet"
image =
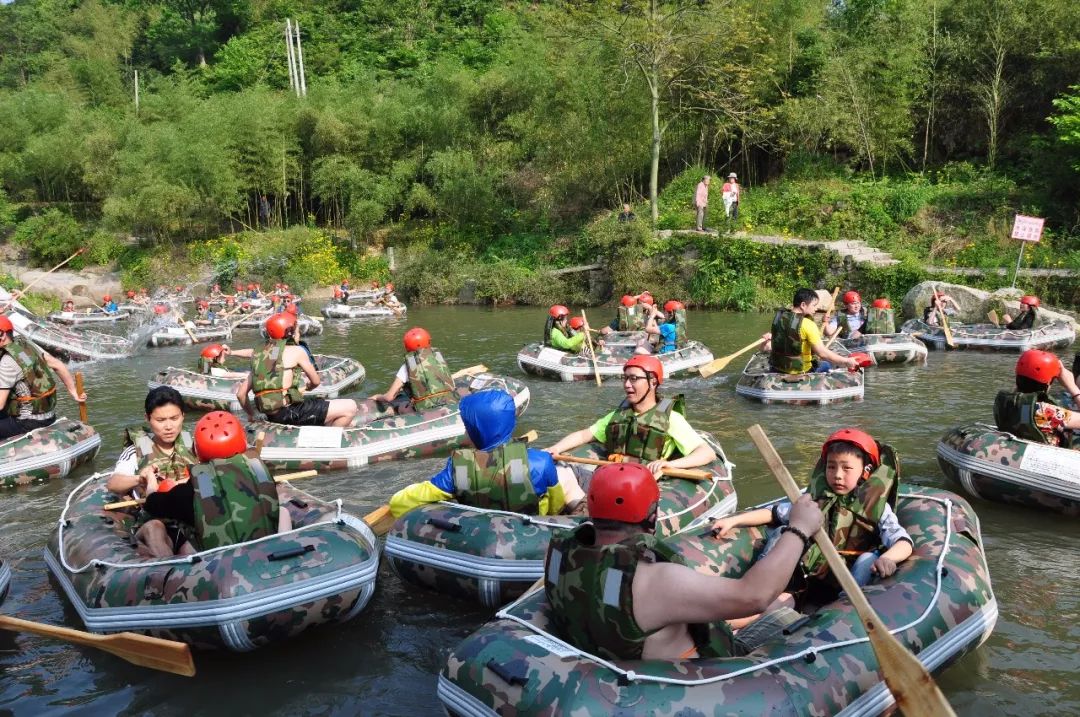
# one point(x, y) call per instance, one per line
point(851, 321)
point(1029, 312)
point(855, 485)
point(108, 305)
point(557, 333)
point(1028, 412)
point(659, 608)
point(424, 380)
point(629, 317)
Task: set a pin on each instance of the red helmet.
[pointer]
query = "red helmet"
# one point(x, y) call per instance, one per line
point(292, 309)
point(245, 305)
point(646, 298)
point(389, 286)
point(558, 311)
point(274, 299)
point(1029, 300)
point(212, 351)
point(107, 297)
point(239, 286)
point(882, 304)
point(850, 297)
point(161, 309)
point(131, 294)
point(627, 300)
point(5, 324)
point(648, 364)
point(279, 326)
point(1040, 366)
point(338, 293)
point(179, 289)
point(219, 435)
point(576, 322)
point(417, 338)
point(165, 485)
point(203, 304)
point(673, 305)
point(230, 300)
point(626, 492)
point(251, 287)
point(860, 439)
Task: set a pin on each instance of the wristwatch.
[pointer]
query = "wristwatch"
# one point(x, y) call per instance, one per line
point(801, 535)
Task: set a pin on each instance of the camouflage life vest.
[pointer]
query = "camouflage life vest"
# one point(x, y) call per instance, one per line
point(643, 436)
point(1015, 412)
point(548, 325)
point(590, 588)
point(851, 520)
point(268, 379)
point(429, 379)
point(205, 365)
point(786, 355)
point(680, 328)
point(880, 321)
point(37, 375)
point(631, 318)
point(498, 478)
point(843, 322)
point(173, 466)
point(235, 501)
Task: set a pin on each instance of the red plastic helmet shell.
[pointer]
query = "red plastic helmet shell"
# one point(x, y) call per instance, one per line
point(860, 439)
point(646, 298)
point(389, 286)
point(131, 295)
point(161, 309)
point(626, 492)
point(882, 304)
point(219, 435)
point(245, 305)
point(627, 300)
point(850, 297)
point(107, 297)
point(577, 323)
point(179, 289)
point(292, 309)
point(165, 485)
point(558, 311)
point(1040, 366)
point(230, 300)
point(279, 326)
point(5, 325)
point(1030, 300)
point(416, 338)
point(251, 287)
point(212, 351)
point(648, 364)
point(673, 305)
point(204, 304)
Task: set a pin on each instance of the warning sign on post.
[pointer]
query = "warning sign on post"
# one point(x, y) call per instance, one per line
point(1027, 228)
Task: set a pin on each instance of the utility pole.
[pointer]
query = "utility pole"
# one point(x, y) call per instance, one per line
point(293, 82)
point(136, 92)
point(300, 61)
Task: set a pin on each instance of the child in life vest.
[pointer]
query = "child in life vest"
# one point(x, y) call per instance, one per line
point(855, 487)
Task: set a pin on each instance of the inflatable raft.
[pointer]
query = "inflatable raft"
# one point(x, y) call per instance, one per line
point(995, 465)
point(309, 326)
point(761, 384)
point(88, 318)
point(71, 345)
point(493, 556)
point(987, 337)
point(49, 452)
point(888, 348)
point(355, 311)
point(202, 392)
point(378, 434)
point(940, 603)
point(179, 336)
point(540, 360)
point(237, 597)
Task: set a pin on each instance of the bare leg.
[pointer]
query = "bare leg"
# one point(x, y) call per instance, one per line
point(341, 412)
point(782, 600)
point(152, 541)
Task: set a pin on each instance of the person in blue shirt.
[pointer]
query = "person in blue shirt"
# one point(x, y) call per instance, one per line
point(108, 305)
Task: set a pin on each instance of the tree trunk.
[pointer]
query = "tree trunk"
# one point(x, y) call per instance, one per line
point(654, 169)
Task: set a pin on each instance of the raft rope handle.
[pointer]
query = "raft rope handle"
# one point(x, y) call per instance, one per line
point(504, 614)
point(179, 560)
point(530, 519)
point(456, 414)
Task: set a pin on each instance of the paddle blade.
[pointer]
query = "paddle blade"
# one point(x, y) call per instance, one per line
point(84, 415)
point(380, 520)
point(916, 693)
point(470, 371)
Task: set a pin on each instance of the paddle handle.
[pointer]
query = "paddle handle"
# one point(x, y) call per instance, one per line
point(84, 415)
point(380, 520)
point(22, 291)
point(592, 352)
point(993, 316)
point(471, 370)
point(687, 473)
point(63, 633)
point(944, 321)
point(134, 502)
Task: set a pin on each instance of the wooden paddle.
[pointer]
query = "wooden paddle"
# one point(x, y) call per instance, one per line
point(944, 323)
point(717, 365)
point(470, 371)
point(83, 414)
point(687, 473)
point(142, 650)
point(916, 693)
point(133, 502)
point(993, 316)
point(22, 292)
point(592, 352)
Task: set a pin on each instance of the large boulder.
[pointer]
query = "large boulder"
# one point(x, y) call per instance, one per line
point(1007, 301)
point(971, 301)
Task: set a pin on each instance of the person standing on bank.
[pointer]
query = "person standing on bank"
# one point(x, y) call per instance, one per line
point(730, 193)
point(701, 201)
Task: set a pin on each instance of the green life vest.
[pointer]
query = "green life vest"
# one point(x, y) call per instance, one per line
point(36, 374)
point(851, 520)
point(631, 318)
point(590, 589)
point(235, 501)
point(880, 321)
point(1015, 412)
point(843, 322)
point(548, 325)
point(205, 365)
point(498, 478)
point(786, 355)
point(680, 327)
point(268, 379)
point(643, 436)
point(173, 466)
point(430, 380)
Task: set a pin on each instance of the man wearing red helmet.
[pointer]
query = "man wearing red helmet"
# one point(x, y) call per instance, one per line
point(630, 317)
point(108, 305)
point(939, 300)
point(205, 316)
point(1028, 412)
point(880, 318)
point(28, 384)
point(619, 592)
point(1029, 313)
point(424, 380)
point(855, 485)
point(851, 321)
point(557, 332)
point(213, 356)
point(645, 427)
point(277, 379)
point(795, 340)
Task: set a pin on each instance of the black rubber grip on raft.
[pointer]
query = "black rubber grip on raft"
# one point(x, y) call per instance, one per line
point(445, 524)
point(291, 552)
point(798, 623)
point(298, 503)
point(505, 674)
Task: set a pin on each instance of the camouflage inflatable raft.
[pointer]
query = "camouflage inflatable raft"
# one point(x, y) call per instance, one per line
point(309, 326)
point(48, 452)
point(378, 434)
point(540, 360)
point(998, 466)
point(987, 337)
point(493, 556)
point(203, 392)
point(69, 344)
point(355, 311)
point(236, 597)
point(85, 318)
point(175, 335)
point(940, 603)
point(761, 384)
point(888, 348)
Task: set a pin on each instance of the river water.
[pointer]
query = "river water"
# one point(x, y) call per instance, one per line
point(385, 662)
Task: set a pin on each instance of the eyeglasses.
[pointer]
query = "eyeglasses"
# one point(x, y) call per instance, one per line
point(633, 379)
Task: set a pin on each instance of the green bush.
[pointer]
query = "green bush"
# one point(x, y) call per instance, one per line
point(50, 238)
point(103, 248)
